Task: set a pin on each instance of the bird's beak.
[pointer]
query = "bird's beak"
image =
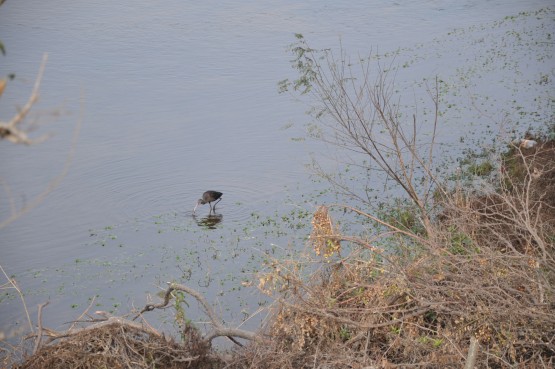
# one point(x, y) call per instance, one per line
point(195, 208)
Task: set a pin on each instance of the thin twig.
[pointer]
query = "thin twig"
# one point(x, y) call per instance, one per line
point(13, 283)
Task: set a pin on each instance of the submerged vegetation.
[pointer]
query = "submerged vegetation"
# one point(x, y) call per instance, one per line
point(446, 268)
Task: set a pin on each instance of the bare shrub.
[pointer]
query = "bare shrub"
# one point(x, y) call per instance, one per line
point(356, 104)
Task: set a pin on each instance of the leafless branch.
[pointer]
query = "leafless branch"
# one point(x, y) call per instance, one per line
point(54, 183)
point(10, 130)
point(219, 330)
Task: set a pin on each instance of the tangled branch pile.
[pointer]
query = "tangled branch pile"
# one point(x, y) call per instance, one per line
point(487, 274)
point(116, 342)
point(118, 346)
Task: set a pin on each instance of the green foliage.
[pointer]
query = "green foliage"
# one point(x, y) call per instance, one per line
point(461, 243)
point(180, 316)
point(404, 216)
point(434, 342)
point(305, 63)
point(512, 166)
point(345, 334)
point(481, 169)
point(476, 164)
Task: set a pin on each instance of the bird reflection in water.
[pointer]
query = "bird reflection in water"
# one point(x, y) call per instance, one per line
point(210, 221)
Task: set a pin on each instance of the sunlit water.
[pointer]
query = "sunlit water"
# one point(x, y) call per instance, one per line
point(179, 98)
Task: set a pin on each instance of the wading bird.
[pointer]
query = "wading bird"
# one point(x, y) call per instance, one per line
point(209, 197)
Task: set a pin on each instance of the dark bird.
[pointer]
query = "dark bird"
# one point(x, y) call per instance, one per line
point(209, 197)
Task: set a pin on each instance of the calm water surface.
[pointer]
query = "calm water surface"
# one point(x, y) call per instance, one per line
point(177, 98)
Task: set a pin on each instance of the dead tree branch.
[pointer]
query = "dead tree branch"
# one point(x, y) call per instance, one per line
point(39, 329)
point(219, 329)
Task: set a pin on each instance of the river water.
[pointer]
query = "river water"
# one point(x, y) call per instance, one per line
point(176, 98)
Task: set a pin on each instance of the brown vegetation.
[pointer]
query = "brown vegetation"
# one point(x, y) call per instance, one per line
point(487, 275)
point(121, 346)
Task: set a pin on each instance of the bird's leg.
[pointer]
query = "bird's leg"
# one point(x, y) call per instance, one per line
point(216, 203)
